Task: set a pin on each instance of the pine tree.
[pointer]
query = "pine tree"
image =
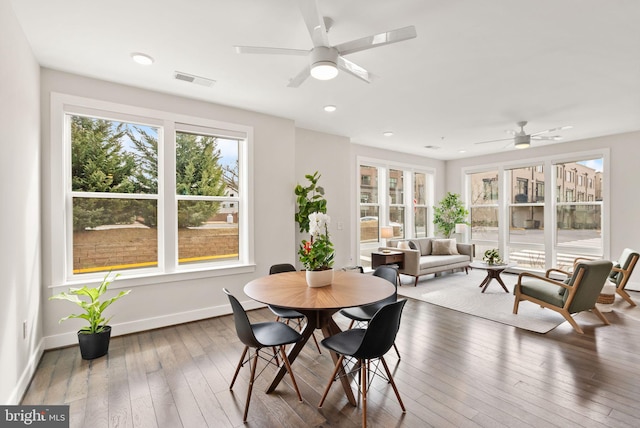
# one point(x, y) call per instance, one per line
point(198, 172)
point(99, 163)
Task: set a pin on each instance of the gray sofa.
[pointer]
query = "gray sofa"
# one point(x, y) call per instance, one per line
point(423, 260)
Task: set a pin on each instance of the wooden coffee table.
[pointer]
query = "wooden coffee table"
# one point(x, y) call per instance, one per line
point(493, 272)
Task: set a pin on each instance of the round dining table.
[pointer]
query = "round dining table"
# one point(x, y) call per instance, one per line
point(290, 290)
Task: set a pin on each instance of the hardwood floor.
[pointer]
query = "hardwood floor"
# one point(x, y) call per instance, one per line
point(456, 371)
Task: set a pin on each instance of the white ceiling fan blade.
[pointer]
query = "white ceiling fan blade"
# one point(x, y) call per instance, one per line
point(561, 128)
point(493, 141)
point(376, 40)
point(354, 69)
point(314, 21)
point(300, 77)
point(269, 51)
point(547, 137)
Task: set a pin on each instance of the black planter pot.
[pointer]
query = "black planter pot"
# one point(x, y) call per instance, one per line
point(94, 345)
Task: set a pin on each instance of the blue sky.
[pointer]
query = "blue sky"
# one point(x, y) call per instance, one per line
point(593, 164)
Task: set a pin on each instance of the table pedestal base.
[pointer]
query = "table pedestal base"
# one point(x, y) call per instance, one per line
point(323, 320)
point(493, 274)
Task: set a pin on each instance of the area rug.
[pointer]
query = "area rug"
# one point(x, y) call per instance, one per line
point(460, 292)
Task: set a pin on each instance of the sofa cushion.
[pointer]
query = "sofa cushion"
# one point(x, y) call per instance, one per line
point(444, 247)
point(430, 262)
point(421, 244)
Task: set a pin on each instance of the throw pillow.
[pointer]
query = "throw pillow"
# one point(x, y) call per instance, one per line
point(444, 247)
point(413, 245)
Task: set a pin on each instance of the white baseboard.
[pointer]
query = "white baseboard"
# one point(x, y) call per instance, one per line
point(70, 338)
point(26, 376)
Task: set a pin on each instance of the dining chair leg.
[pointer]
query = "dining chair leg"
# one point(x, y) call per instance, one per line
point(288, 365)
point(246, 348)
point(364, 368)
point(393, 384)
point(331, 380)
point(396, 348)
point(316, 342)
point(275, 355)
point(351, 324)
point(253, 375)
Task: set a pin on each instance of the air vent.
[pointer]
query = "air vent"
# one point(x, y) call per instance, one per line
point(432, 147)
point(190, 78)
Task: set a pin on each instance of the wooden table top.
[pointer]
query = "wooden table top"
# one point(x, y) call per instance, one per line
point(290, 290)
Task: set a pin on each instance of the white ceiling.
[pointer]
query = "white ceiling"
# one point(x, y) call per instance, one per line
point(475, 68)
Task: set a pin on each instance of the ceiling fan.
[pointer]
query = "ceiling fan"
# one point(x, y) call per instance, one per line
point(522, 140)
point(325, 60)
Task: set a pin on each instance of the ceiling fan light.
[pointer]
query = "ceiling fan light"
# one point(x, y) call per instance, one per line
point(522, 145)
point(324, 70)
point(522, 141)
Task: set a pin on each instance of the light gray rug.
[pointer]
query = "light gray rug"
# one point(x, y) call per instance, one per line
point(461, 293)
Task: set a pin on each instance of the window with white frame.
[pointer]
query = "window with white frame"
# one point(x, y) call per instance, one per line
point(396, 196)
point(150, 194)
point(537, 232)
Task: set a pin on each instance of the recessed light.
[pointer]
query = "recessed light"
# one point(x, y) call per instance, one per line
point(462, 151)
point(330, 108)
point(142, 59)
point(387, 134)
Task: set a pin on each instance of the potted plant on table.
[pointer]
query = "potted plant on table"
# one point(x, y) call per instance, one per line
point(492, 257)
point(317, 253)
point(93, 338)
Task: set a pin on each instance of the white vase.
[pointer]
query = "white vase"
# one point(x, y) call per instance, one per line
point(319, 278)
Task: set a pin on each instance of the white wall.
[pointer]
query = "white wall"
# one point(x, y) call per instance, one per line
point(20, 214)
point(624, 174)
point(172, 302)
point(329, 155)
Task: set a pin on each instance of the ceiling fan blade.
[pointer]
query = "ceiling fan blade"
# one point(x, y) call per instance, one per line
point(547, 137)
point(269, 51)
point(561, 128)
point(376, 40)
point(494, 141)
point(314, 21)
point(300, 77)
point(354, 69)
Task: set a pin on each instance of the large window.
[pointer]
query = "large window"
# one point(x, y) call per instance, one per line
point(532, 230)
point(149, 194)
point(394, 196)
point(483, 209)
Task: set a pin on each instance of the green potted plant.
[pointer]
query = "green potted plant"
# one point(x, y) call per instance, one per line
point(449, 212)
point(310, 200)
point(93, 338)
point(317, 253)
point(492, 257)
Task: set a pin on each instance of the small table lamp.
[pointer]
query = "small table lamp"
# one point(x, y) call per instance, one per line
point(386, 232)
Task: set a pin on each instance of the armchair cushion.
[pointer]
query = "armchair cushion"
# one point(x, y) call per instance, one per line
point(543, 290)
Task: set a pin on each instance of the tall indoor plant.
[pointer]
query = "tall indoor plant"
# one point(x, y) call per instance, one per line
point(449, 212)
point(95, 336)
point(310, 199)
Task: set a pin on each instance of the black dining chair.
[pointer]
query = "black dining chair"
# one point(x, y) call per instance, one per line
point(367, 346)
point(285, 313)
point(363, 314)
point(269, 334)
